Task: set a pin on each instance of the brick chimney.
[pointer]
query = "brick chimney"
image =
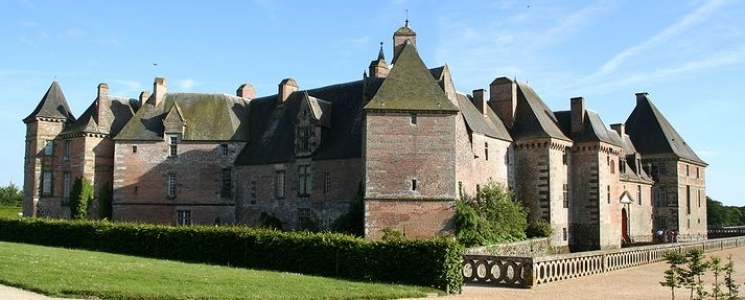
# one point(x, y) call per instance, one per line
point(103, 114)
point(619, 128)
point(577, 114)
point(159, 90)
point(479, 100)
point(143, 97)
point(286, 88)
point(246, 90)
point(503, 99)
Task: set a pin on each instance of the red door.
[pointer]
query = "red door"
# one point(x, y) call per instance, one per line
point(624, 225)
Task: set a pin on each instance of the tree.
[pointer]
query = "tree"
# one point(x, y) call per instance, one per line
point(353, 222)
point(80, 197)
point(104, 202)
point(674, 276)
point(719, 215)
point(493, 217)
point(11, 195)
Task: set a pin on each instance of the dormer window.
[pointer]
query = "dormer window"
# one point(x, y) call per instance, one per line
point(173, 141)
point(314, 116)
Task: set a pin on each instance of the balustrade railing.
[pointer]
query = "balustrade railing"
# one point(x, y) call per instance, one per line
point(529, 271)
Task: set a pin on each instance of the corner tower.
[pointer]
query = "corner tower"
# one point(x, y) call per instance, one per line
point(401, 37)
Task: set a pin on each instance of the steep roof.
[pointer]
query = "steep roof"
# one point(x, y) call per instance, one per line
point(594, 130)
point(53, 105)
point(652, 134)
point(122, 110)
point(533, 118)
point(410, 86)
point(209, 117)
point(272, 126)
point(489, 125)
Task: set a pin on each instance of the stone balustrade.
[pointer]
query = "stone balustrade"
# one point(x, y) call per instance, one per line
point(530, 271)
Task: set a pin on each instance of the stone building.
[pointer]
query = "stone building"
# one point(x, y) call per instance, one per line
point(402, 138)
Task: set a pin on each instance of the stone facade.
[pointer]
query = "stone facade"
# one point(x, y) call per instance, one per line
point(401, 139)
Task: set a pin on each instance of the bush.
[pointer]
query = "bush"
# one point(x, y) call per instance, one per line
point(539, 229)
point(433, 262)
point(493, 217)
point(80, 197)
point(11, 195)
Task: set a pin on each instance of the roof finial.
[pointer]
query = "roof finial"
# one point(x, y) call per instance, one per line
point(380, 53)
point(55, 77)
point(407, 18)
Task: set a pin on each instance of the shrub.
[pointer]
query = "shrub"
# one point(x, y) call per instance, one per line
point(80, 197)
point(270, 221)
point(431, 262)
point(11, 195)
point(493, 217)
point(353, 221)
point(539, 229)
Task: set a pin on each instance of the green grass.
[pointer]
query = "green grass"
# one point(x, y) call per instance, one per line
point(79, 274)
point(9, 211)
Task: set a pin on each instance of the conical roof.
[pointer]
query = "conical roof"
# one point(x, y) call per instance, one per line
point(53, 105)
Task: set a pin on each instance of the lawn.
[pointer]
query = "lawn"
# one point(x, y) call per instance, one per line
point(9, 211)
point(79, 274)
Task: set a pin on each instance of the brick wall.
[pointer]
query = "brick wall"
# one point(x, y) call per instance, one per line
point(472, 166)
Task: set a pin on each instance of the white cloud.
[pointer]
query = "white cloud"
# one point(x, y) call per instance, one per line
point(186, 84)
point(130, 87)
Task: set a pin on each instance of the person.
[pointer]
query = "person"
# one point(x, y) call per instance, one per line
point(658, 236)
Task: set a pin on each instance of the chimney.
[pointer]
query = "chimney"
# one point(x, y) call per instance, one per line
point(159, 90)
point(286, 88)
point(503, 99)
point(379, 68)
point(479, 100)
point(619, 128)
point(104, 107)
point(143, 97)
point(246, 90)
point(577, 114)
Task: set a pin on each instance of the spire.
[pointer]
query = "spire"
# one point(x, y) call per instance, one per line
point(53, 106)
point(380, 53)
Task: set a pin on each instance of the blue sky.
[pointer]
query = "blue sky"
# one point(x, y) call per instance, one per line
point(689, 55)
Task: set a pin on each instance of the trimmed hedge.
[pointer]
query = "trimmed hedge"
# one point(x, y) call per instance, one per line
point(433, 262)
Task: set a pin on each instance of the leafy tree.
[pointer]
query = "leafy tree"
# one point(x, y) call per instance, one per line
point(493, 217)
point(692, 275)
point(674, 276)
point(719, 215)
point(733, 289)
point(104, 202)
point(716, 267)
point(80, 197)
point(11, 195)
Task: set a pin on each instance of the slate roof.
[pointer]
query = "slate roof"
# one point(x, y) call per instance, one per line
point(122, 110)
point(410, 86)
point(320, 110)
point(209, 117)
point(52, 105)
point(594, 129)
point(533, 118)
point(272, 126)
point(652, 134)
point(489, 125)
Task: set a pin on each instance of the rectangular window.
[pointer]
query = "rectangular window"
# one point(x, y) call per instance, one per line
point(564, 233)
point(688, 199)
point(279, 184)
point(460, 189)
point(46, 186)
point(171, 186)
point(609, 194)
point(566, 195)
point(227, 183)
point(486, 151)
point(564, 158)
point(66, 188)
point(688, 171)
point(326, 183)
point(137, 190)
point(639, 193)
point(173, 146)
point(224, 149)
point(698, 174)
point(183, 217)
point(413, 184)
point(303, 180)
point(660, 197)
point(49, 147)
point(478, 192)
point(68, 149)
point(134, 149)
point(412, 119)
point(699, 197)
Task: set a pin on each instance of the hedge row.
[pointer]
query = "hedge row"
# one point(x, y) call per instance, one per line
point(433, 262)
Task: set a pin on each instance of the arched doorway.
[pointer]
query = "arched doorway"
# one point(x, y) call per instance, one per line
point(625, 226)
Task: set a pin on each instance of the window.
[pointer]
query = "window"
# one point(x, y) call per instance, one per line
point(183, 217)
point(639, 193)
point(171, 186)
point(173, 146)
point(660, 197)
point(134, 148)
point(688, 171)
point(227, 183)
point(66, 188)
point(688, 199)
point(608, 194)
point(698, 175)
point(613, 166)
point(68, 149)
point(303, 180)
point(49, 147)
point(460, 189)
point(137, 190)
point(412, 119)
point(326, 183)
point(413, 184)
point(224, 149)
point(699, 197)
point(46, 186)
point(486, 151)
point(565, 196)
point(564, 233)
point(478, 192)
point(564, 158)
point(303, 138)
point(621, 166)
point(279, 184)
point(607, 158)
